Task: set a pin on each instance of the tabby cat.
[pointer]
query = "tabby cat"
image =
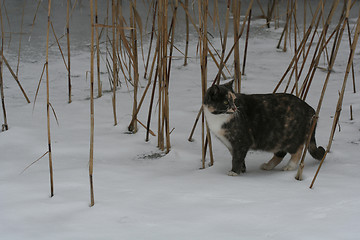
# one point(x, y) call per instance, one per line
point(277, 123)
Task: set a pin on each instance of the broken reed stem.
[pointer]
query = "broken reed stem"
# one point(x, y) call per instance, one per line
point(99, 94)
point(4, 126)
point(351, 113)
point(57, 41)
point(91, 158)
point(341, 96)
point(48, 101)
point(68, 47)
point(15, 77)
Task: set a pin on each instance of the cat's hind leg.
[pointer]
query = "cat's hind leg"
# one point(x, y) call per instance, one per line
point(294, 160)
point(276, 159)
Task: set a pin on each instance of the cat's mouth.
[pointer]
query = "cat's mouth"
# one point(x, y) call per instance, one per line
point(228, 111)
point(233, 109)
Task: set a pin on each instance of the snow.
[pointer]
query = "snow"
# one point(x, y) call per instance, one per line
point(140, 195)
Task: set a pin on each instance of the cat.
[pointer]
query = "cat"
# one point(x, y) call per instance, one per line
point(277, 123)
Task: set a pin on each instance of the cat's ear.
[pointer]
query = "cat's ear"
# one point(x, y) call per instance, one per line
point(214, 90)
point(229, 85)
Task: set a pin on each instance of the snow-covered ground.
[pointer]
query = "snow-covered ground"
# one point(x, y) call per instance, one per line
point(140, 196)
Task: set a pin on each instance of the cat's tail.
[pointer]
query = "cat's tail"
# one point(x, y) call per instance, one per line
point(315, 151)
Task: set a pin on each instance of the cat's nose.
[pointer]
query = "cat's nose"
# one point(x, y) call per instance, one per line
point(234, 108)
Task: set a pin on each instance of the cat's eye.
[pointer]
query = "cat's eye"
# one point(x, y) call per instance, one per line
point(226, 102)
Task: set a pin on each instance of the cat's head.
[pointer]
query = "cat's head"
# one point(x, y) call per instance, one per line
point(220, 99)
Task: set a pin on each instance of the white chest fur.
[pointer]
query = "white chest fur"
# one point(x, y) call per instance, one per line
point(215, 123)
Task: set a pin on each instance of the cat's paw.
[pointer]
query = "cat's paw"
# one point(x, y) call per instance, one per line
point(289, 167)
point(232, 174)
point(266, 166)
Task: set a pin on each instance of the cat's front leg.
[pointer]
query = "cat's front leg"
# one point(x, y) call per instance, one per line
point(238, 161)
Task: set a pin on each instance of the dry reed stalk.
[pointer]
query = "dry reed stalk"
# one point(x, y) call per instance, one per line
point(15, 77)
point(160, 63)
point(133, 128)
point(305, 4)
point(323, 43)
point(301, 46)
point(48, 102)
point(156, 58)
point(33, 23)
point(203, 23)
point(277, 15)
point(271, 7)
point(172, 31)
point(187, 32)
point(8, 21)
point(301, 166)
point(97, 51)
point(304, 58)
point(4, 126)
point(224, 40)
point(38, 87)
point(288, 17)
point(246, 43)
point(351, 113)
point(68, 47)
point(237, 72)
point(151, 37)
point(165, 116)
point(217, 18)
point(92, 123)
point(284, 32)
point(115, 75)
point(203, 65)
point(107, 40)
point(211, 54)
point(296, 49)
point(57, 41)
point(341, 96)
point(146, 89)
point(352, 65)
point(20, 38)
point(190, 139)
point(217, 78)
